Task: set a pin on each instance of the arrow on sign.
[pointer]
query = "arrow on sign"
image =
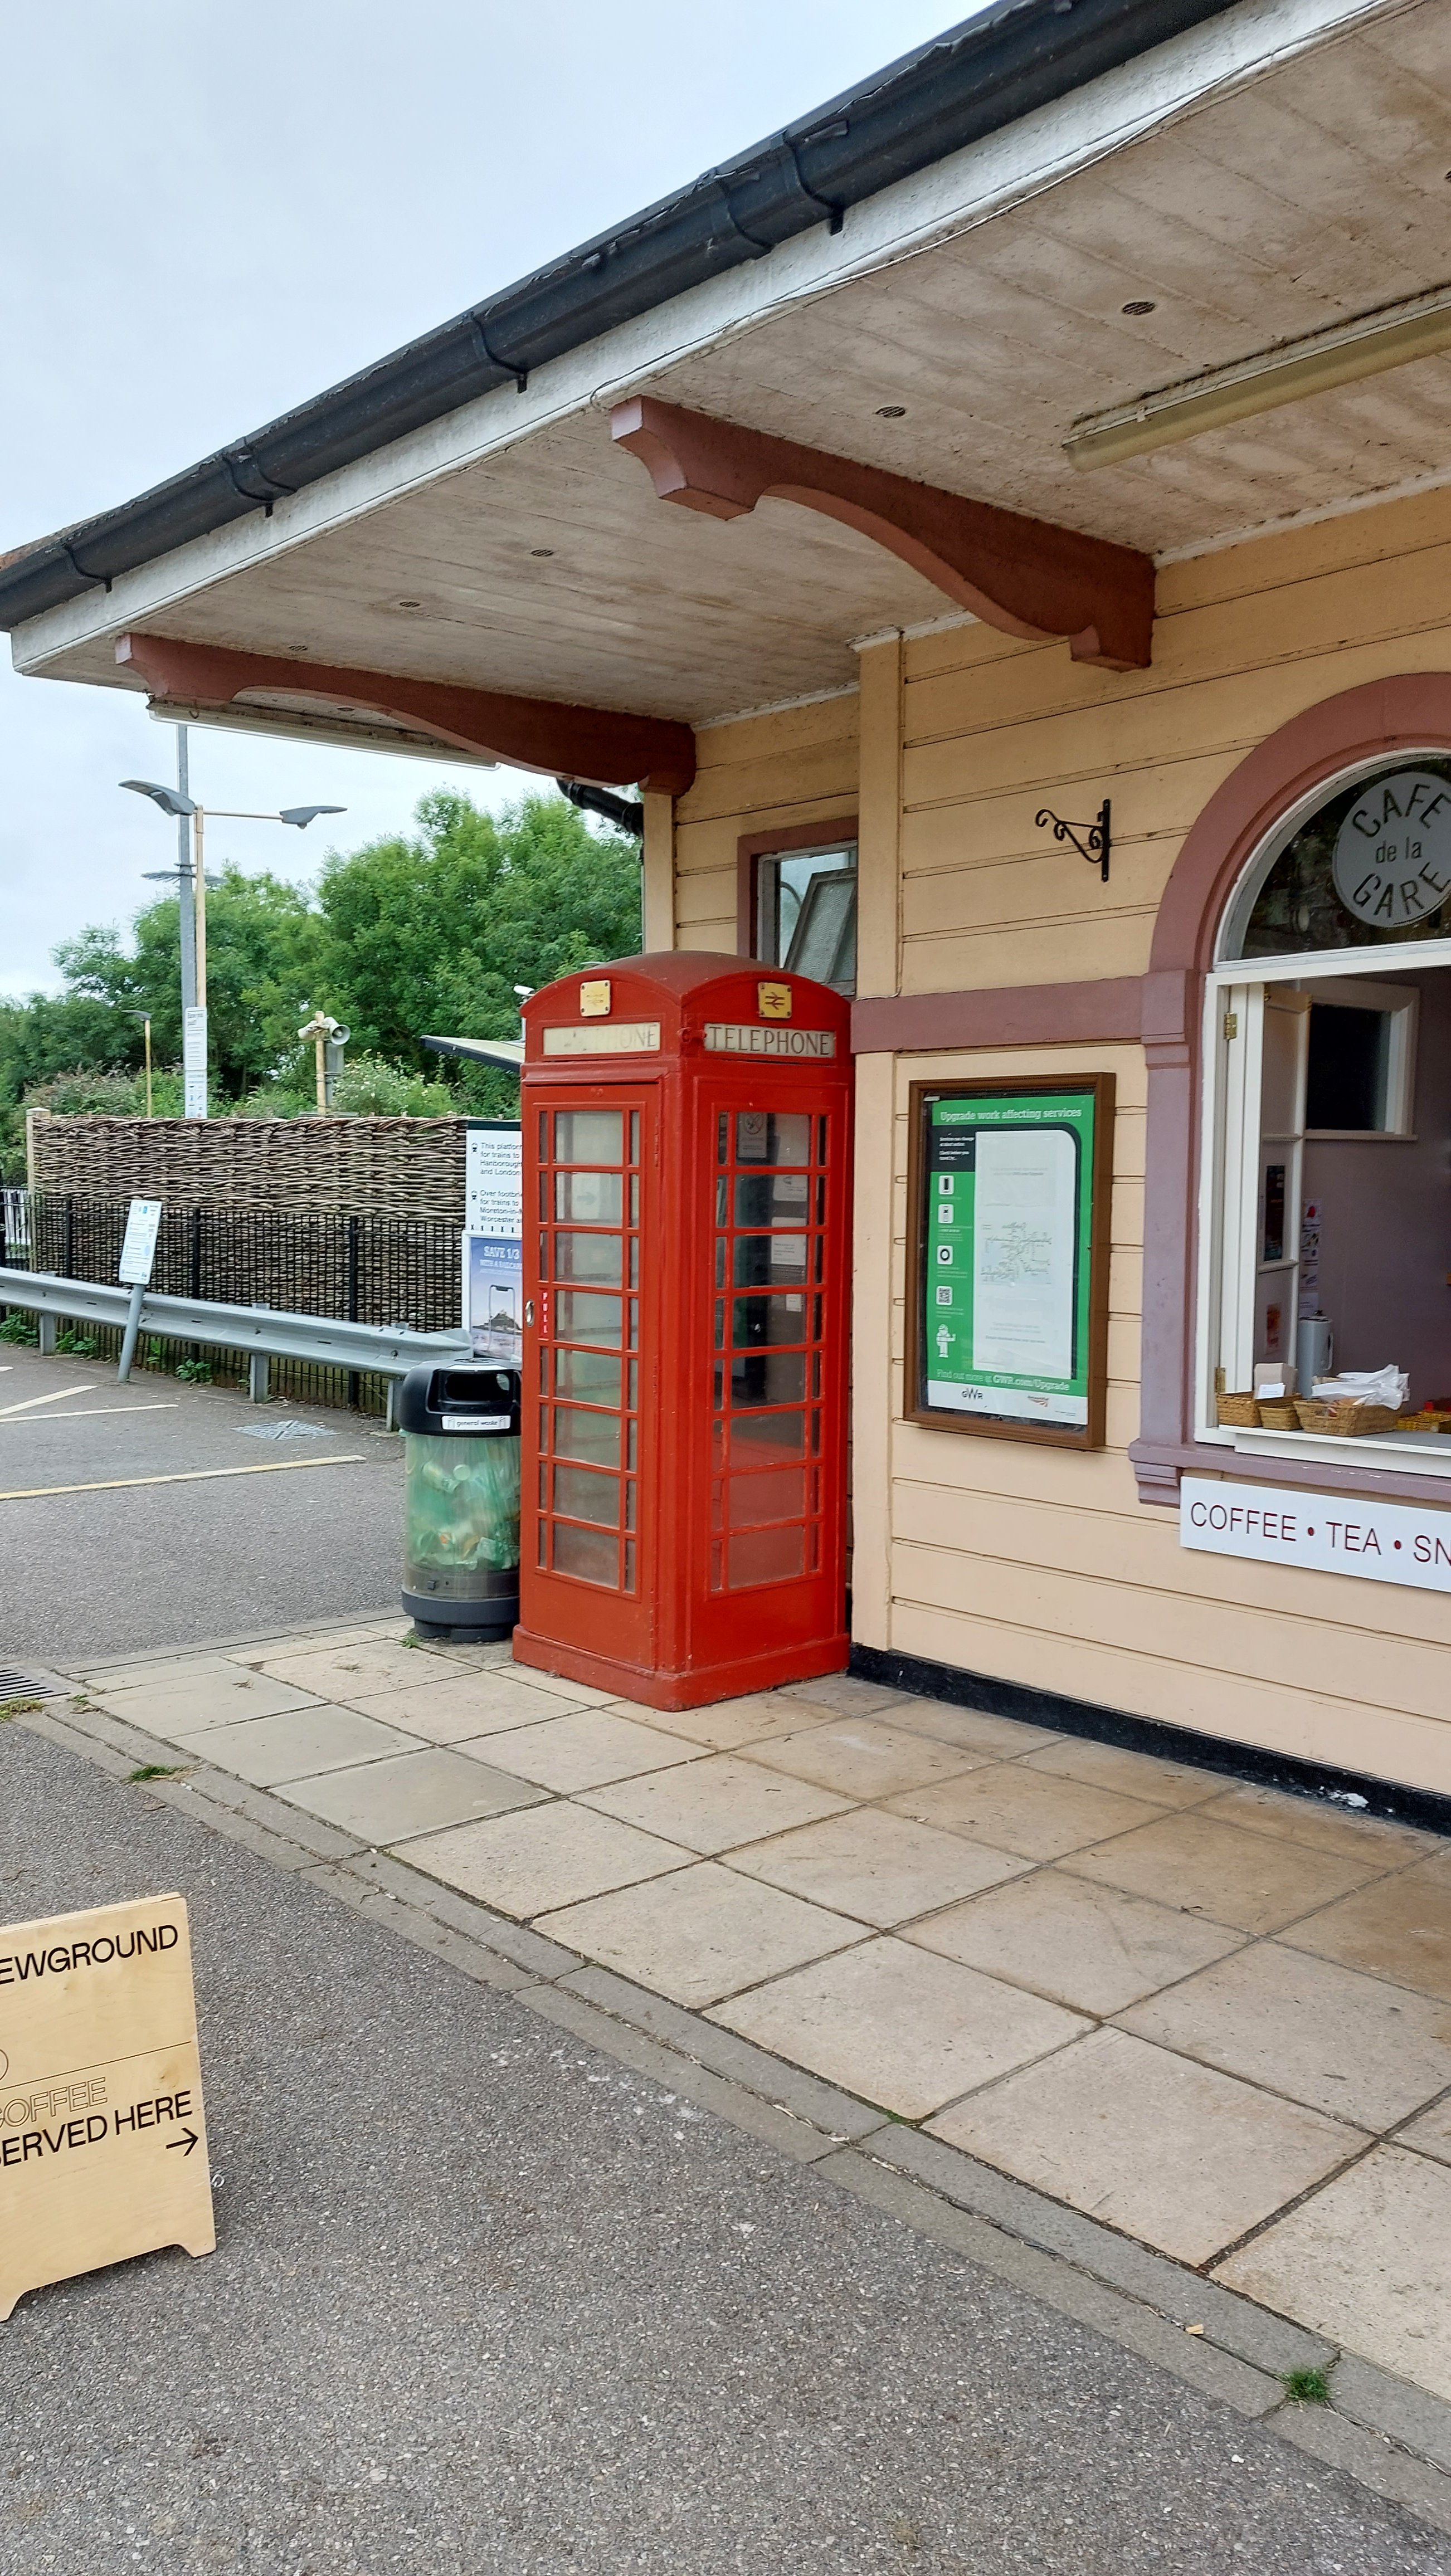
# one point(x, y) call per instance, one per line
point(186, 2142)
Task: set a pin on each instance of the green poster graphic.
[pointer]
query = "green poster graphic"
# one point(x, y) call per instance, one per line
point(1006, 1255)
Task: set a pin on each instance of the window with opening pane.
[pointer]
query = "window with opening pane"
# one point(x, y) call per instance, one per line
point(771, 1184)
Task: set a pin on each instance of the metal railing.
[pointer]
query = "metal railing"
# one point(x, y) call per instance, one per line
point(260, 1332)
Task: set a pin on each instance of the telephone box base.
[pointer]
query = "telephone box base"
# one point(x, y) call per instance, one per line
point(694, 1689)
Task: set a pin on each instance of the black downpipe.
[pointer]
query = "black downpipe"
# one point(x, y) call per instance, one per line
point(622, 811)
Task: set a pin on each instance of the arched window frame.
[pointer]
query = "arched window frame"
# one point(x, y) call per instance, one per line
point(1260, 805)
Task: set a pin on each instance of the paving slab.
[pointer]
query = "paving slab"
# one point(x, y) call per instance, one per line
point(844, 1694)
point(585, 1749)
point(1348, 2044)
point(1091, 1947)
point(899, 2026)
point(879, 1867)
point(529, 1864)
point(1367, 2260)
point(1025, 1811)
point(999, 1739)
point(1253, 1882)
point(345, 1671)
point(1430, 2135)
point(728, 1724)
point(212, 1697)
point(701, 1934)
point(1137, 1775)
point(409, 1793)
point(447, 1705)
point(266, 1750)
point(1399, 1929)
point(713, 1803)
point(865, 1757)
point(1321, 1823)
point(1182, 2157)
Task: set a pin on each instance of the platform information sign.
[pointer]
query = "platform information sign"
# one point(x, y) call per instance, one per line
point(103, 2143)
point(493, 1248)
point(138, 1251)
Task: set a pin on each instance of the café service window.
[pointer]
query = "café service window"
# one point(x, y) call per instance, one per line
point(1325, 1239)
point(806, 913)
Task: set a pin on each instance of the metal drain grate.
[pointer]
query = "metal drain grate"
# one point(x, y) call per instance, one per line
point(21, 1686)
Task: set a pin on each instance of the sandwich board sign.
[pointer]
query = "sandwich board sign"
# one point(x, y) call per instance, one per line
point(103, 2145)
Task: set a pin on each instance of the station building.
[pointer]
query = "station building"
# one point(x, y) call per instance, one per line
point(1002, 527)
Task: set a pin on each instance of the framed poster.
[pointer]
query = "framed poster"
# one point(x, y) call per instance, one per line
point(493, 1247)
point(1007, 1288)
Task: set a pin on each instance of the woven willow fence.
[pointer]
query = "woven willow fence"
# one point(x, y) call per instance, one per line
point(367, 1167)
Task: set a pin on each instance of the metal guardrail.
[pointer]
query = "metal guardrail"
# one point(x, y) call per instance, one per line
point(384, 1350)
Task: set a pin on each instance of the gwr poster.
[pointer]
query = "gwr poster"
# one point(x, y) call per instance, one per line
point(1009, 1180)
point(493, 1249)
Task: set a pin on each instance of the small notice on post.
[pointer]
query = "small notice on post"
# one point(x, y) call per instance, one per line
point(103, 2144)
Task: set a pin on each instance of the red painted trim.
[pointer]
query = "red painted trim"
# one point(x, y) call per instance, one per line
point(1409, 712)
point(755, 846)
point(1024, 576)
point(1089, 1014)
point(532, 733)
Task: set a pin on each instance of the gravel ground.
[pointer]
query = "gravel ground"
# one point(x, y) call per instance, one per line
point(484, 2301)
point(151, 1566)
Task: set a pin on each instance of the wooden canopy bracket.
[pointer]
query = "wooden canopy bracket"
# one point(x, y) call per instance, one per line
point(595, 743)
point(1026, 576)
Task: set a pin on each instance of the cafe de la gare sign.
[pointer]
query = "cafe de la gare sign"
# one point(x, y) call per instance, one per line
point(103, 2145)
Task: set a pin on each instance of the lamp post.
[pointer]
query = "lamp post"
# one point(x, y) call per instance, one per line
point(192, 879)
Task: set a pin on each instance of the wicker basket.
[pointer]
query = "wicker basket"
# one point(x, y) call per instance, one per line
point(1237, 1412)
point(1279, 1415)
point(1346, 1419)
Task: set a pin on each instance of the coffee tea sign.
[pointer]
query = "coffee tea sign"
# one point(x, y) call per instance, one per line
point(103, 2143)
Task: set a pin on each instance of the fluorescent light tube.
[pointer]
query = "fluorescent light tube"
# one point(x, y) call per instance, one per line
point(1367, 346)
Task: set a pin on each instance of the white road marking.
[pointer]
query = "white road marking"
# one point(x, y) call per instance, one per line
point(29, 1402)
point(187, 1476)
point(88, 1412)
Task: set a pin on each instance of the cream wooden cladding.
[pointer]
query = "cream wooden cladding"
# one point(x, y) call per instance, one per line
point(103, 2143)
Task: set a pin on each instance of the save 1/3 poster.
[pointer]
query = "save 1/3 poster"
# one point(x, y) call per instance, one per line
point(493, 1245)
point(1006, 1256)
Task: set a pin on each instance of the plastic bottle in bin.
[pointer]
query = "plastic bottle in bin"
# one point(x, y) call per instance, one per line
point(461, 1526)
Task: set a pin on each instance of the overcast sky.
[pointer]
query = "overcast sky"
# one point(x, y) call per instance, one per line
point(212, 215)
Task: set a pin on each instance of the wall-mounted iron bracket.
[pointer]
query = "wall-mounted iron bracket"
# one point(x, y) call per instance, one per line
point(1095, 848)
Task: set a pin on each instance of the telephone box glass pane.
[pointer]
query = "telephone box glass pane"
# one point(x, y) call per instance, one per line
point(770, 1261)
point(589, 1135)
point(761, 1439)
point(587, 1373)
point(773, 1198)
point(766, 1137)
point(780, 1496)
point(761, 1320)
point(581, 1318)
point(588, 1198)
point(768, 1377)
point(587, 1554)
point(765, 1556)
point(586, 1497)
point(596, 1257)
point(591, 1436)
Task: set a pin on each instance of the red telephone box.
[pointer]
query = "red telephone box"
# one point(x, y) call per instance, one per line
point(687, 1185)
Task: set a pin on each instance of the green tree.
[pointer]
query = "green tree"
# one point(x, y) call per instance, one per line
point(432, 934)
point(262, 945)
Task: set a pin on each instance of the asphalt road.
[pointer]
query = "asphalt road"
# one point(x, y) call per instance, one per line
point(151, 1566)
point(485, 2302)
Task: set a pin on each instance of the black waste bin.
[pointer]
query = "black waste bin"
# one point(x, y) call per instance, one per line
point(461, 1534)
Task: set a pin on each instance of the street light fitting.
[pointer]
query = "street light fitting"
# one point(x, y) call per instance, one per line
point(302, 815)
point(170, 799)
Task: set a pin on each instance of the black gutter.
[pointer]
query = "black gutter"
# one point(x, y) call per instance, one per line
point(968, 83)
